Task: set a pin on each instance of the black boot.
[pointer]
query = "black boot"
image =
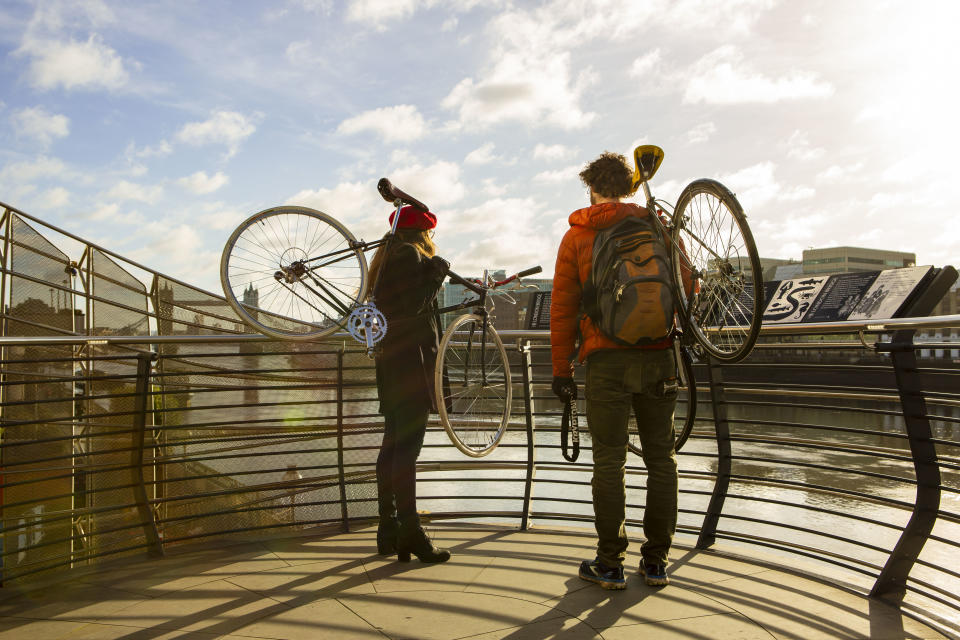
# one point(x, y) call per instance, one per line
point(413, 539)
point(387, 535)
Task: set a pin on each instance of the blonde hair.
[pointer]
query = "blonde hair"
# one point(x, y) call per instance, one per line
point(420, 239)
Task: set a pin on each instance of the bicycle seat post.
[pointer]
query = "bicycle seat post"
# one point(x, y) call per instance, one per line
point(647, 194)
point(398, 203)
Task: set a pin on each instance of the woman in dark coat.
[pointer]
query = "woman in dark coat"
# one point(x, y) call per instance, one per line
point(407, 276)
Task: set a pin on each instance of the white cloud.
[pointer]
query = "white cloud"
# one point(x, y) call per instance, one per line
point(530, 75)
point(754, 186)
point(201, 183)
point(799, 147)
point(723, 77)
point(377, 12)
point(835, 173)
point(53, 198)
point(493, 188)
point(125, 190)
point(320, 7)
point(175, 249)
point(218, 216)
point(559, 176)
point(701, 133)
point(111, 213)
point(401, 123)
point(299, 52)
point(74, 64)
point(228, 128)
point(911, 169)
point(161, 149)
point(552, 152)
point(496, 243)
point(481, 155)
point(40, 124)
point(646, 64)
point(523, 86)
point(797, 193)
point(437, 185)
point(29, 170)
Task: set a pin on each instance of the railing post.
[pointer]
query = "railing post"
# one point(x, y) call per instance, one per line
point(891, 584)
point(527, 369)
point(341, 475)
point(722, 428)
point(147, 517)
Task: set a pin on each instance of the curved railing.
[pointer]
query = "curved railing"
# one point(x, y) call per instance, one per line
point(139, 419)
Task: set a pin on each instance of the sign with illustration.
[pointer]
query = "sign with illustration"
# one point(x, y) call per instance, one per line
point(888, 293)
point(792, 299)
point(538, 315)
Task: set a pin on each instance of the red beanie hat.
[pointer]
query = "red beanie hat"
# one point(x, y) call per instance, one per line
point(414, 218)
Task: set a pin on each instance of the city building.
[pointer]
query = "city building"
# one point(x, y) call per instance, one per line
point(847, 259)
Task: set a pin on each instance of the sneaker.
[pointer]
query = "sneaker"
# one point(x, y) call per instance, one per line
point(606, 577)
point(654, 574)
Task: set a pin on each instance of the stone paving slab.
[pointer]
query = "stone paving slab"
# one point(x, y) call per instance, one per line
point(500, 584)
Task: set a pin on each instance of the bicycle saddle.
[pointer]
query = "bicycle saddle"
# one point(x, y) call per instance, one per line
point(391, 194)
point(647, 159)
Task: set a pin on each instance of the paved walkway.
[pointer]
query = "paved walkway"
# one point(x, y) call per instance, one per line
point(500, 584)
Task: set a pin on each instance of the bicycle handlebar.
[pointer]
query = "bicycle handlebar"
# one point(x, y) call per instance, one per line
point(473, 286)
point(516, 276)
point(530, 271)
point(478, 287)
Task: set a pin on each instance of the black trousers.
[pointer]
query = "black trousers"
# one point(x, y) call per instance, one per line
point(397, 463)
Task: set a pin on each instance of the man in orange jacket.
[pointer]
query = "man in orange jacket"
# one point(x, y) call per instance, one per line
point(618, 378)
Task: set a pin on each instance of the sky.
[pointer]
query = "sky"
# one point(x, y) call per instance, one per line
point(153, 128)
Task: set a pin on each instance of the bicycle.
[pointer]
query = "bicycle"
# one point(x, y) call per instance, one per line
point(711, 241)
point(720, 315)
point(294, 273)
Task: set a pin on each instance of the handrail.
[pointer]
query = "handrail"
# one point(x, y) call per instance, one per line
point(88, 441)
point(819, 328)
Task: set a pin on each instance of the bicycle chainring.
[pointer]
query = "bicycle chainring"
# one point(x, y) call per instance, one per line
point(367, 325)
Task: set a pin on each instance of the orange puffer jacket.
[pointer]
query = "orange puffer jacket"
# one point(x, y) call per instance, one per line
point(572, 270)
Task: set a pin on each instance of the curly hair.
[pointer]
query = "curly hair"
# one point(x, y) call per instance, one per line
point(609, 175)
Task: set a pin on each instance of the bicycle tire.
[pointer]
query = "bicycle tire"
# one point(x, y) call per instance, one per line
point(474, 393)
point(724, 311)
point(688, 387)
point(293, 273)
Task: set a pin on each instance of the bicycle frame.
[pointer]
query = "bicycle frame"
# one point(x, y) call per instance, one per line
point(479, 303)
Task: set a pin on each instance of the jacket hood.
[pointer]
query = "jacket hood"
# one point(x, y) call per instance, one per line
point(600, 216)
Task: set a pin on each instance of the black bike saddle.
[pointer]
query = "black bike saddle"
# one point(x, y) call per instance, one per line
point(391, 194)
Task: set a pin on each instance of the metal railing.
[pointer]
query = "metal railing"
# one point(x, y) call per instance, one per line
point(136, 419)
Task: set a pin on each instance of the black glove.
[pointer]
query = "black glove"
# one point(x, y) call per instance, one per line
point(441, 265)
point(564, 388)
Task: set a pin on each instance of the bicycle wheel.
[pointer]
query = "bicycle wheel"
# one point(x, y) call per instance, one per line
point(293, 273)
point(473, 386)
point(682, 425)
point(712, 242)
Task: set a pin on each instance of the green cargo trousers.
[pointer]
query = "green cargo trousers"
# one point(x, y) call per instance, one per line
point(644, 380)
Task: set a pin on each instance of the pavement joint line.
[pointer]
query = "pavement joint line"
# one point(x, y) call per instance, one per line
point(731, 614)
point(479, 573)
point(369, 624)
point(258, 593)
